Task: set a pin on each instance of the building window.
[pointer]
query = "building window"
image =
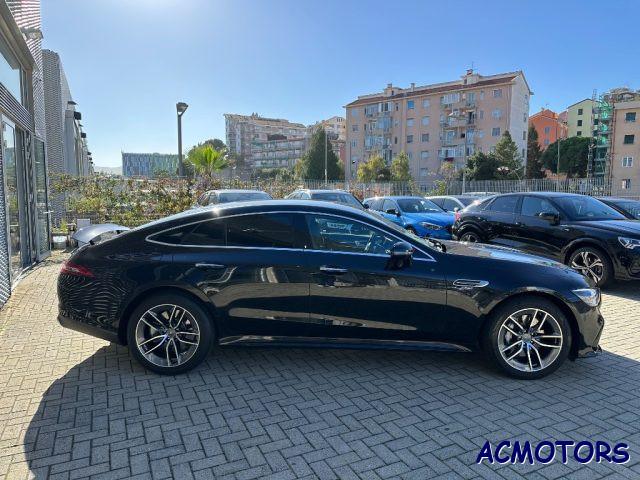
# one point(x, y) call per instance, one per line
point(425, 121)
point(424, 137)
point(627, 162)
point(546, 142)
point(410, 105)
point(410, 155)
point(495, 132)
point(481, 114)
point(409, 138)
point(580, 111)
point(354, 127)
point(579, 133)
point(424, 172)
point(497, 93)
point(626, 184)
point(630, 117)
point(354, 112)
point(426, 103)
point(497, 113)
point(524, 135)
point(547, 130)
point(395, 140)
point(409, 122)
point(424, 154)
point(629, 139)
point(10, 73)
point(579, 123)
point(524, 117)
point(354, 143)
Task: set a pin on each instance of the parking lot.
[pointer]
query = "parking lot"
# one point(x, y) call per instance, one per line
point(73, 406)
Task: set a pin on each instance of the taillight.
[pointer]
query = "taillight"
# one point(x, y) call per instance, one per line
point(70, 268)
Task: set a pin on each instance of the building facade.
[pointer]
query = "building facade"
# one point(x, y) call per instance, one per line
point(24, 239)
point(277, 152)
point(242, 131)
point(549, 126)
point(149, 165)
point(624, 147)
point(580, 118)
point(440, 124)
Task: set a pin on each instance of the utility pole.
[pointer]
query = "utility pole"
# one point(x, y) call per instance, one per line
point(326, 141)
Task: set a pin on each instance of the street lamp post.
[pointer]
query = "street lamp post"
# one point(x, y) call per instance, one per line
point(326, 141)
point(181, 107)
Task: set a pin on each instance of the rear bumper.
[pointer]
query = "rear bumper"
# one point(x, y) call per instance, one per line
point(89, 329)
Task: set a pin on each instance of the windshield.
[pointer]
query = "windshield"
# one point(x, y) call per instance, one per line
point(581, 207)
point(337, 197)
point(631, 206)
point(418, 205)
point(242, 197)
point(466, 201)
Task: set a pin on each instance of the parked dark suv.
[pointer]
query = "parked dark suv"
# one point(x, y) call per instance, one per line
point(577, 230)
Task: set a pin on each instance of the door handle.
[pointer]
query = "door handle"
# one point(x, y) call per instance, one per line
point(333, 270)
point(210, 265)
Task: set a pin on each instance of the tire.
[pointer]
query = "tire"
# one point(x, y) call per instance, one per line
point(470, 236)
point(170, 333)
point(533, 352)
point(583, 257)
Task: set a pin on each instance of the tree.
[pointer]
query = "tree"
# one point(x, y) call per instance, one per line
point(373, 170)
point(506, 152)
point(574, 156)
point(206, 160)
point(535, 168)
point(482, 166)
point(311, 165)
point(400, 171)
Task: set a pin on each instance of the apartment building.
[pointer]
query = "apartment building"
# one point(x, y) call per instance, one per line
point(549, 126)
point(336, 127)
point(277, 152)
point(149, 165)
point(580, 118)
point(438, 124)
point(25, 233)
point(624, 149)
point(244, 130)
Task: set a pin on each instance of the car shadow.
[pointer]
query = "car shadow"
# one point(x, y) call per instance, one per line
point(627, 290)
point(369, 407)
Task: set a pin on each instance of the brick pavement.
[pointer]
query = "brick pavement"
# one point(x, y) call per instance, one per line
point(74, 407)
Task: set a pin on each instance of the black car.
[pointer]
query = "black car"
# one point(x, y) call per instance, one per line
point(316, 273)
point(626, 206)
point(453, 203)
point(577, 230)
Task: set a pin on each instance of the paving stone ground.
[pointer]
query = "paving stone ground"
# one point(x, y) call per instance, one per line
point(75, 407)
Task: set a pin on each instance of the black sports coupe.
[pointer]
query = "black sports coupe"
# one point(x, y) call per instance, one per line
point(317, 273)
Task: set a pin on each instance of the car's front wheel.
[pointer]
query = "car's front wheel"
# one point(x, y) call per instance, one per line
point(470, 236)
point(593, 263)
point(169, 334)
point(528, 338)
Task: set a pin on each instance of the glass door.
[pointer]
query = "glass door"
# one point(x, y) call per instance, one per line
point(42, 201)
point(12, 195)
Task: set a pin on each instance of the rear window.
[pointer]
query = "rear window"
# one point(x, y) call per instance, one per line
point(337, 197)
point(264, 230)
point(505, 204)
point(242, 196)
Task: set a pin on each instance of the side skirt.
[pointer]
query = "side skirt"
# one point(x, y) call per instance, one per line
point(325, 342)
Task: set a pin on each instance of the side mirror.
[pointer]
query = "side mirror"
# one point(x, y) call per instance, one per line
point(392, 211)
point(400, 256)
point(366, 206)
point(551, 217)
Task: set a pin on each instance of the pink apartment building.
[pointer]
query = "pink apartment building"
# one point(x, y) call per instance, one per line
point(438, 124)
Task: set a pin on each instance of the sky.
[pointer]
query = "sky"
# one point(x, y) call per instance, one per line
point(129, 61)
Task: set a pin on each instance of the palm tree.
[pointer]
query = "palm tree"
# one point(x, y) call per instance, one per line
point(207, 160)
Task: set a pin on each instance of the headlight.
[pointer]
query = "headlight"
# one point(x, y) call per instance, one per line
point(431, 226)
point(629, 243)
point(590, 296)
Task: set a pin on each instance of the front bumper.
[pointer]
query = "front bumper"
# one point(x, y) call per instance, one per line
point(627, 263)
point(591, 330)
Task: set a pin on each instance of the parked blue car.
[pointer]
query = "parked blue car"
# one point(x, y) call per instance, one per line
point(416, 214)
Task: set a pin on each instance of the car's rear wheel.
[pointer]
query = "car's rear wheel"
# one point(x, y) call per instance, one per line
point(169, 333)
point(592, 263)
point(470, 236)
point(528, 338)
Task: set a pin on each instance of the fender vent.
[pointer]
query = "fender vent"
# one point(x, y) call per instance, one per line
point(465, 284)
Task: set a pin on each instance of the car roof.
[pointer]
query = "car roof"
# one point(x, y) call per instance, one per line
point(619, 199)
point(321, 190)
point(257, 206)
point(398, 197)
point(235, 190)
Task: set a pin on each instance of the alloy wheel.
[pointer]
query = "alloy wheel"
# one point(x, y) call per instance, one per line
point(530, 340)
point(588, 264)
point(167, 335)
point(470, 237)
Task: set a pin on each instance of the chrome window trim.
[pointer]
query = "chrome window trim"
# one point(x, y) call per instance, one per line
point(147, 239)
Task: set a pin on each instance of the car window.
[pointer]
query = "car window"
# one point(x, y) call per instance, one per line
point(207, 233)
point(534, 206)
point(438, 201)
point(466, 201)
point(203, 200)
point(304, 196)
point(630, 206)
point(506, 204)
point(388, 205)
point(582, 207)
point(338, 197)
point(418, 205)
point(273, 230)
point(338, 234)
point(242, 196)
point(213, 199)
point(450, 205)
